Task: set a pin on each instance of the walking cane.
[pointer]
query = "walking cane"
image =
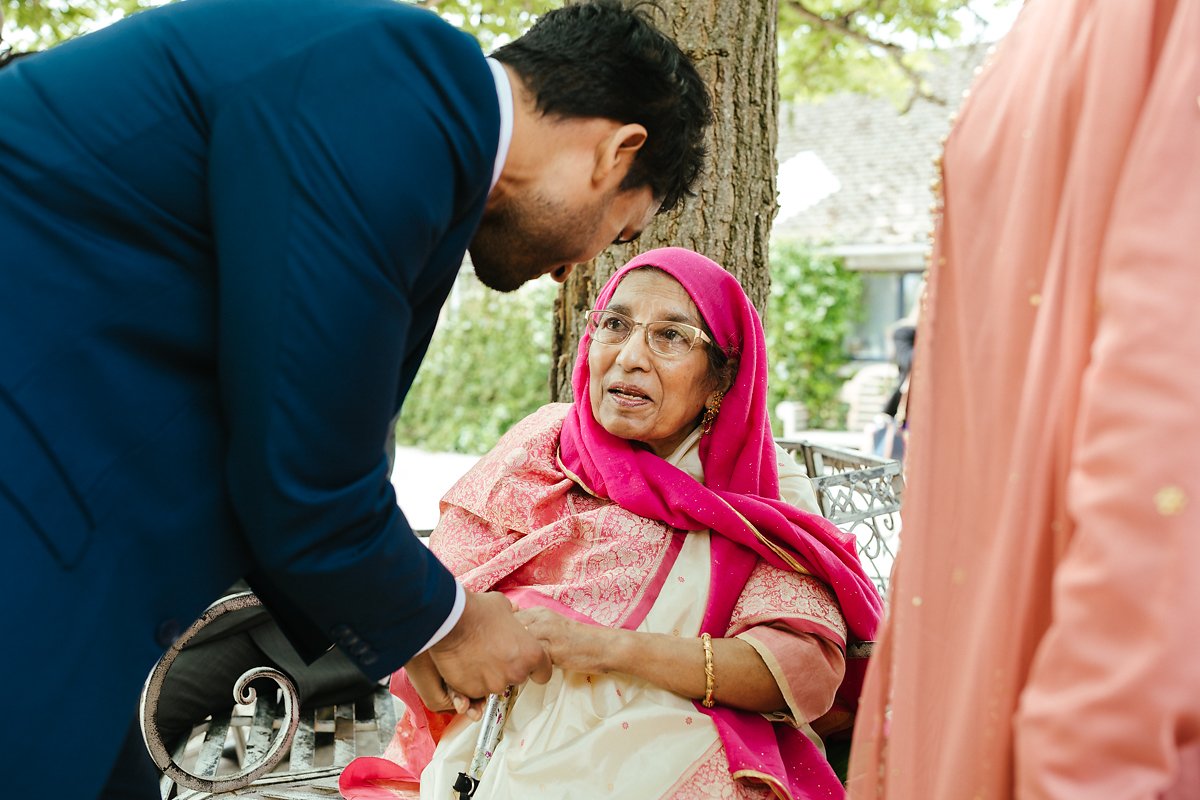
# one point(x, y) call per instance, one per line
point(495, 714)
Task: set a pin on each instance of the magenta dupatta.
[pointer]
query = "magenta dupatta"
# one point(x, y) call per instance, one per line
point(737, 500)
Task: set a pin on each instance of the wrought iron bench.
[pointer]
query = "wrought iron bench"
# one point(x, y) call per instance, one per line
point(266, 746)
point(860, 493)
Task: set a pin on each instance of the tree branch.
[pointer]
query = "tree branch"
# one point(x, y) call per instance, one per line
point(844, 26)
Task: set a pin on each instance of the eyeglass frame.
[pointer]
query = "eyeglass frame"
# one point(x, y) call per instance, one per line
point(701, 335)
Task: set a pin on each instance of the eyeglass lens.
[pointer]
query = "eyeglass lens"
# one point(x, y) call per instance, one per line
point(664, 337)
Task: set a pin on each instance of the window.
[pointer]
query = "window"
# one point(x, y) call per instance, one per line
point(887, 296)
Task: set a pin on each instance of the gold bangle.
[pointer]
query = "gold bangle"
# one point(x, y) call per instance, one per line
point(710, 681)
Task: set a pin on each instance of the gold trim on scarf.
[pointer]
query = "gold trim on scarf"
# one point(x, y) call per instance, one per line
point(787, 557)
point(578, 481)
point(771, 781)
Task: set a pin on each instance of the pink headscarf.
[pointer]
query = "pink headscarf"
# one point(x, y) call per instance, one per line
point(741, 483)
point(738, 502)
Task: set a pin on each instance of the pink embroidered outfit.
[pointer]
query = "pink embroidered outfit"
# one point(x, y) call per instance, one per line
point(563, 514)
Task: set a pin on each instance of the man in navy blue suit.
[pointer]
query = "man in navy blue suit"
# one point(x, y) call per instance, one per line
point(227, 229)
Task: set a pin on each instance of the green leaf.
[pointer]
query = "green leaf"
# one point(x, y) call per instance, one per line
point(813, 306)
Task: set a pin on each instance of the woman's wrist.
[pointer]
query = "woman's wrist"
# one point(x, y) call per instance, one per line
point(612, 650)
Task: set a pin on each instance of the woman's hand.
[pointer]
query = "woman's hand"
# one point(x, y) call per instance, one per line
point(672, 663)
point(571, 645)
point(742, 678)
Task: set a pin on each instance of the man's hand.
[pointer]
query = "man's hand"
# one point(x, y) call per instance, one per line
point(428, 683)
point(488, 650)
point(434, 692)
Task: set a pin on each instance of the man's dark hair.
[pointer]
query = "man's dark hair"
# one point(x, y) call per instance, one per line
point(604, 58)
point(8, 56)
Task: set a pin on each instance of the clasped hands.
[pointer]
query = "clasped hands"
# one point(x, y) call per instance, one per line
point(494, 646)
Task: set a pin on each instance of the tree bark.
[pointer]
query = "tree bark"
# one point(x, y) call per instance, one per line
point(733, 43)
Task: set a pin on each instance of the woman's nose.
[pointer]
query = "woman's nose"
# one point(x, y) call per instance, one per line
point(635, 351)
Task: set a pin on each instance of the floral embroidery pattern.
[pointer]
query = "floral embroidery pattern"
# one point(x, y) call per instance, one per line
point(772, 593)
point(548, 534)
point(709, 780)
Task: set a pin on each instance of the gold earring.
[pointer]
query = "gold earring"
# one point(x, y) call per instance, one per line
point(711, 409)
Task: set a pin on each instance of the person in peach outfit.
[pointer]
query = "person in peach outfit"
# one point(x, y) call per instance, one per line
point(1042, 639)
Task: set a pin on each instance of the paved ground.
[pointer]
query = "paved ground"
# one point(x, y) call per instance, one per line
point(422, 478)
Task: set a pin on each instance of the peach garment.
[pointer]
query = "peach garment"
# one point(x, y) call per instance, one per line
point(1043, 638)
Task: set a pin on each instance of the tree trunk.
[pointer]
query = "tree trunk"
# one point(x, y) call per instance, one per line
point(733, 43)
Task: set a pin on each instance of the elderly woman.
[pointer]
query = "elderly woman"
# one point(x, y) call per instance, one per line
point(697, 619)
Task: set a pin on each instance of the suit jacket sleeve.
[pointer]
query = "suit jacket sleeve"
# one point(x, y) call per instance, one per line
point(334, 178)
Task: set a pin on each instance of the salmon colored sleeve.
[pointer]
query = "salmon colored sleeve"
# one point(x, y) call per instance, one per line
point(1112, 705)
point(795, 625)
point(808, 668)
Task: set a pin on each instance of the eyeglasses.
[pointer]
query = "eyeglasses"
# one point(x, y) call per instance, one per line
point(670, 339)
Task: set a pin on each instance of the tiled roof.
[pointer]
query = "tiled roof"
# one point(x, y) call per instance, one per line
point(867, 166)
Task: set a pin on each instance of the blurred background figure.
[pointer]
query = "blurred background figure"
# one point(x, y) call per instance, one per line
point(890, 431)
point(903, 335)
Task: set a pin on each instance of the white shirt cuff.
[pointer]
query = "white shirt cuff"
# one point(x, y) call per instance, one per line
point(456, 612)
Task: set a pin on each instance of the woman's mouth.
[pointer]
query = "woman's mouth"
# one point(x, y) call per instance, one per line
point(626, 395)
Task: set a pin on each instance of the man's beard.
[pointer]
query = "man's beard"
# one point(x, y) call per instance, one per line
point(524, 239)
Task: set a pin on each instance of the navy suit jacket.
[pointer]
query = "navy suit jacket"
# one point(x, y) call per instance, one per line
point(226, 230)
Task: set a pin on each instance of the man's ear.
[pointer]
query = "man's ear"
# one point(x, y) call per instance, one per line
point(616, 151)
